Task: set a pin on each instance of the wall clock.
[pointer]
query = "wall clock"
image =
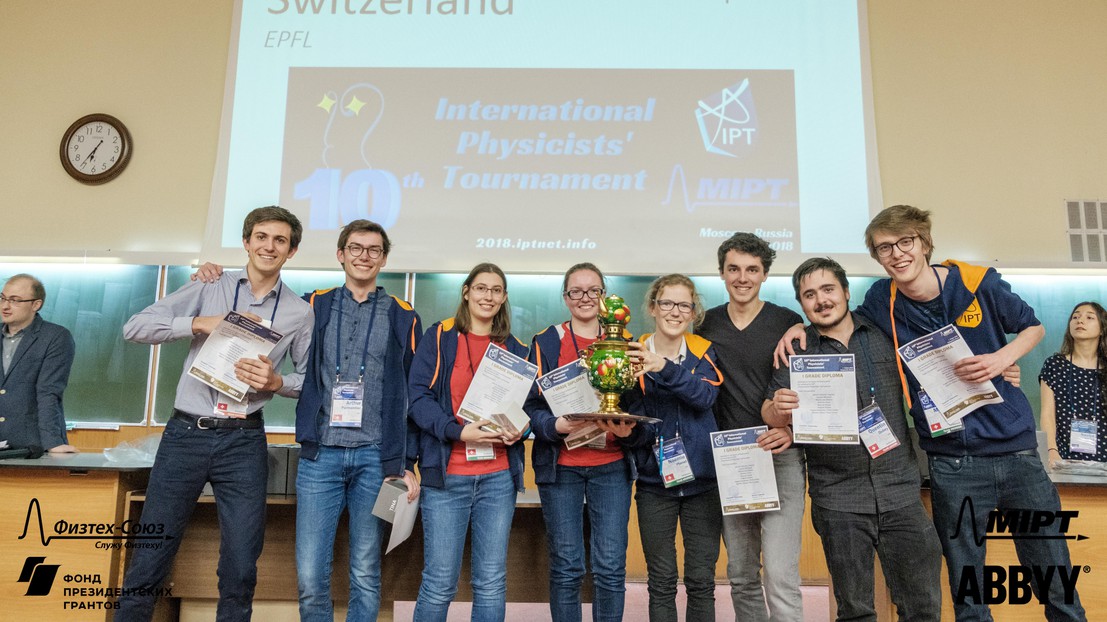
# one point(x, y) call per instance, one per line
point(96, 149)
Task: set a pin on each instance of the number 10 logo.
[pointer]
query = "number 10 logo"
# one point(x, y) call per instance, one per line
point(365, 193)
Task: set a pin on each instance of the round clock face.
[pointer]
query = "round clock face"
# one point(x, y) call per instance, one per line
point(95, 149)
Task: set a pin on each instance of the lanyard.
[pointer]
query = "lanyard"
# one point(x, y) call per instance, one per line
point(573, 336)
point(365, 351)
point(895, 335)
point(275, 304)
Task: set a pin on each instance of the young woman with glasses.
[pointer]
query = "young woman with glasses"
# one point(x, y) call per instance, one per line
point(678, 384)
point(600, 474)
point(460, 492)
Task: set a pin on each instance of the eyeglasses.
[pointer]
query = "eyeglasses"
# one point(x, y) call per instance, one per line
point(667, 305)
point(577, 294)
point(482, 290)
point(355, 250)
point(16, 301)
point(903, 244)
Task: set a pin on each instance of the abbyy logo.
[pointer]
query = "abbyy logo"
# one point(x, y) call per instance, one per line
point(38, 576)
point(1016, 584)
point(728, 120)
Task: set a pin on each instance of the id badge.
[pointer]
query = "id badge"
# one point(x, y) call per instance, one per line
point(1082, 437)
point(479, 451)
point(228, 408)
point(675, 469)
point(346, 399)
point(875, 432)
point(935, 421)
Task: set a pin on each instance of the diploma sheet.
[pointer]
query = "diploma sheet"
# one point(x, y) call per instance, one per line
point(931, 359)
point(827, 388)
point(499, 388)
point(747, 482)
point(236, 337)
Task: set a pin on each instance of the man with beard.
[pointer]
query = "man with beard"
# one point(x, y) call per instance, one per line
point(864, 497)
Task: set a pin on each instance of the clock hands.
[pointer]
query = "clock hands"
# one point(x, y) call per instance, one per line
point(92, 154)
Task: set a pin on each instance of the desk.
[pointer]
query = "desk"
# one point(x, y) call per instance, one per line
point(82, 490)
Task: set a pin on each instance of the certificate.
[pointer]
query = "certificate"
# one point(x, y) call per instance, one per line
point(236, 337)
point(931, 359)
point(499, 388)
point(567, 392)
point(747, 482)
point(827, 388)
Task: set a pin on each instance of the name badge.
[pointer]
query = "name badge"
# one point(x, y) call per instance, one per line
point(1082, 437)
point(479, 451)
point(346, 400)
point(877, 436)
point(673, 462)
point(227, 408)
point(935, 421)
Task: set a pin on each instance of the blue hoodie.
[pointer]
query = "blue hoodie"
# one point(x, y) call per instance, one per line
point(432, 407)
point(985, 310)
point(399, 435)
point(682, 396)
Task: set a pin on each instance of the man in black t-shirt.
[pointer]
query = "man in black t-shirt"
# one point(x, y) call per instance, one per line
point(745, 331)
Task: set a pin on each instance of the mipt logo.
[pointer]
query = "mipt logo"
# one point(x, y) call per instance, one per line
point(38, 576)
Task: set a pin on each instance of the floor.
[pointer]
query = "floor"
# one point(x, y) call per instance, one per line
point(815, 607)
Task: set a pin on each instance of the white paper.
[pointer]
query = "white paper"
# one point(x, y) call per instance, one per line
point(568, 392)
point(747, 481)
point(235, 338)
point(827, 388)
point(931, 359)
point(500, 384)
point(392, 506)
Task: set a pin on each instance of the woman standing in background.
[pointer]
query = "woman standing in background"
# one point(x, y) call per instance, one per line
point(1074, 390)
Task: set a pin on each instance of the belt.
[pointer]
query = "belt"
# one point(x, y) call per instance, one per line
point(252, 421)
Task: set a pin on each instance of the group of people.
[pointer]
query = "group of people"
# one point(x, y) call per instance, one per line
point(378, 398)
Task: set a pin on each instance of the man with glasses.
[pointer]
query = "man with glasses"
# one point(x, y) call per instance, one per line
point(351, 423)
point(993, 462)
point(745, 330)
point(37, 356)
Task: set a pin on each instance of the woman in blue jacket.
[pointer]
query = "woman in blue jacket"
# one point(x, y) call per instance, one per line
point(470, 476)
point(602, 474)
point(678, 384)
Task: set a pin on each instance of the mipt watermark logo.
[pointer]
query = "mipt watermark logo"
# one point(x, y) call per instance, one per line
point(38, 575)
point(1018, 584)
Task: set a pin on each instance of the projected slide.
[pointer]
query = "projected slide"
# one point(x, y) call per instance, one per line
point(596, 150)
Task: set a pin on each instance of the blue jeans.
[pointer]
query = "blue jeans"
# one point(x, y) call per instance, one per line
point(488, 503)
point(236, 462)
point(607, 490)
point(701, 523)
point(771, 539)
point(338, 478)
point(910, 557)
point(1007, 482)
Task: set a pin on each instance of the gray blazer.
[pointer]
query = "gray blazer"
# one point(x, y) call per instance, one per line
point(31, 392)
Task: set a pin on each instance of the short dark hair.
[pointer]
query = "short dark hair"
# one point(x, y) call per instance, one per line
point(577, 268)
point(357, 226)
point(750, 244)
point(814, 265)
point(37, 289)
point(273, 213)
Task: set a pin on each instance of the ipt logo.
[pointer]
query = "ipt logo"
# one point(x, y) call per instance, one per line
point(728, 120)
point(38, 575)
point(1031, 530)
